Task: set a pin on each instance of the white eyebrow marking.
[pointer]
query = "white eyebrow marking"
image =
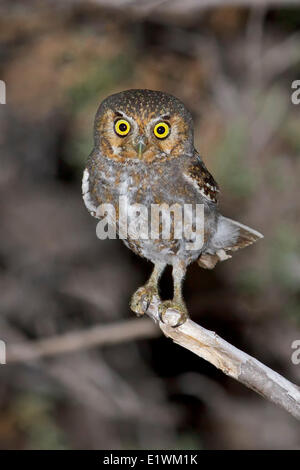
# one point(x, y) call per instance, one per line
point(123, 115)
point(162, 117)
point(119, 112)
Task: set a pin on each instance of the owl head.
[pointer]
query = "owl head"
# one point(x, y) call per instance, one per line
point(143, 125)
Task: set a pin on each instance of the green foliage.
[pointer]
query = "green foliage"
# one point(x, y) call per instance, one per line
point(251, 281)
point(99, 80)
point(34, 416)
point(237, 178)
point(189, 441)
point(284, 256)
point(291, 135)
point(292, 309)
point(96, 84)
point(289, 18)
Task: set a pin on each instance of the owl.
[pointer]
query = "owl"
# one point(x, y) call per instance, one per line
point(144, 153)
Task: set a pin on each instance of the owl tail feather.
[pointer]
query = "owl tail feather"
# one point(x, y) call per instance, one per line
point(230, 236)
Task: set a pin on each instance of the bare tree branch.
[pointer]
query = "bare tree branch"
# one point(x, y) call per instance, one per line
point(204, 343)
point(173, 10)
point(233, 362)
point(100, 335)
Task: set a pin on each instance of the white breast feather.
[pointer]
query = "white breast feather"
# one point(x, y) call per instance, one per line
point(86, 194)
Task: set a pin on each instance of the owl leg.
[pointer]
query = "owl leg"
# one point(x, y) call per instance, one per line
point(177, 303)
point(142, 298)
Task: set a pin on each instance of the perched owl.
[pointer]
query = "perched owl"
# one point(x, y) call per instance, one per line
point(144, 152)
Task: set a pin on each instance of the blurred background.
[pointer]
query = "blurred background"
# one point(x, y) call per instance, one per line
point(233, 67)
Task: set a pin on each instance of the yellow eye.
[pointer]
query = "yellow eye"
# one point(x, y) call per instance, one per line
point(122, 127)
point(161, 130)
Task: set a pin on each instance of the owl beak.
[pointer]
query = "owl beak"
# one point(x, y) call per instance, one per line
point(140, 146)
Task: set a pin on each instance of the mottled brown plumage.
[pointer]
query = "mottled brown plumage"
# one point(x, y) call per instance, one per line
point(144, 152)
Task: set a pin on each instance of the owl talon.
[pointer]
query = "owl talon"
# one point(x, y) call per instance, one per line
point(173, 313)
point(142, 298)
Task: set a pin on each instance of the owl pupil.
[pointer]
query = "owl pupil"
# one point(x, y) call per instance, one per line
point(123, 127)
point(160, 130)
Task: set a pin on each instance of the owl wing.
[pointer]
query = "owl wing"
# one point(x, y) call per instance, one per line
point(200, 177)
point(230, 235)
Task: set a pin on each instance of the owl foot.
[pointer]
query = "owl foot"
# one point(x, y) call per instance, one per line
point(142, 298)
point(173, 313)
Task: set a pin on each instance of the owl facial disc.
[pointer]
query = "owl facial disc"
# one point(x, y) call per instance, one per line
point(143, 125)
